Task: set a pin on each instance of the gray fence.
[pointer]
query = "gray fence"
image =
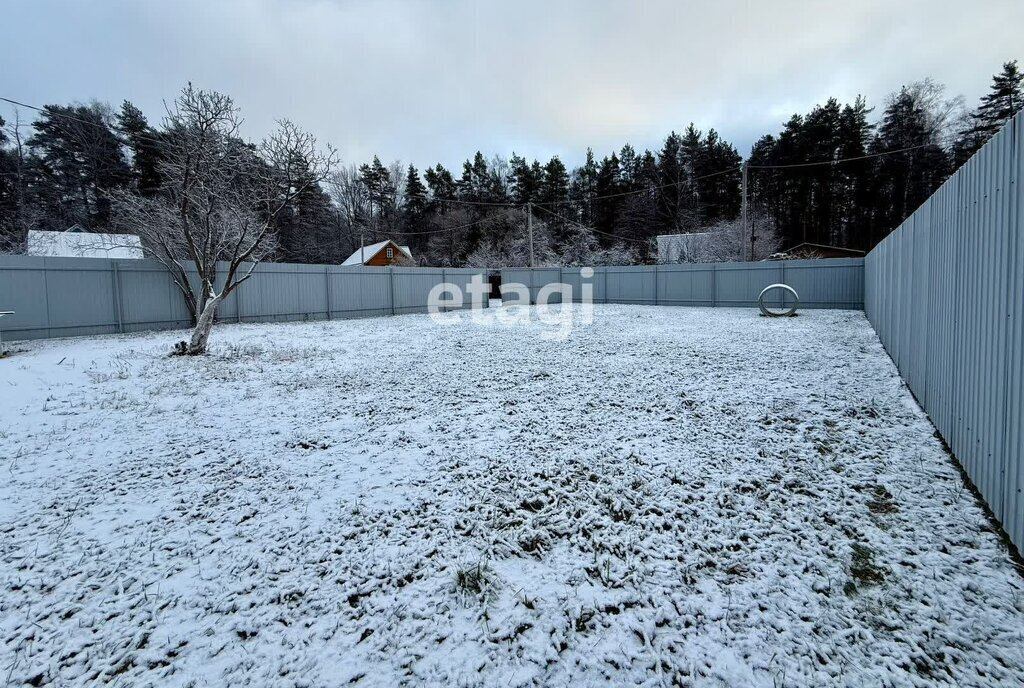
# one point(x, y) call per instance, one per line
point(945, 292)
point(65, 297)
point(832, 283)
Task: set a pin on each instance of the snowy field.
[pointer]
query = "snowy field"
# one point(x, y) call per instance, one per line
point(669, 497)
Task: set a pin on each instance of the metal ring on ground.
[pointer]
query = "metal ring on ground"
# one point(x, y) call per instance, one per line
point(778, 314)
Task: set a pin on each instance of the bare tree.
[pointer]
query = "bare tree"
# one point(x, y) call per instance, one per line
point(730, 241)
point(350, 201)
point(219, 200)
point(24, 216)
point(944, 116)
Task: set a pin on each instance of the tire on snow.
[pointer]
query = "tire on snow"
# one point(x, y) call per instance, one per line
point(777, 313)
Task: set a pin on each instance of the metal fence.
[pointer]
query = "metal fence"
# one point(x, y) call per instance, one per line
point(66, 297)
point(831, 283)
point(945, 292)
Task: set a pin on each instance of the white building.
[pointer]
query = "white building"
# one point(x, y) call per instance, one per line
point(695, 247)
point(77, 243)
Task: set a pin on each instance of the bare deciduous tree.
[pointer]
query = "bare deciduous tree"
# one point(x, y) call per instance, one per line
point(730, 241)
point(219, 200)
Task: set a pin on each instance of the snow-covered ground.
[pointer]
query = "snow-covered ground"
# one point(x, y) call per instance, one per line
point(670, 496)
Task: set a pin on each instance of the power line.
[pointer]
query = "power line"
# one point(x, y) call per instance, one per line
point(111, 127)
point(142, 137)
point(458, 227)
point(439, 230)
point(839, 160)
point(646, 189)
point(505, 204)
point(591, 229)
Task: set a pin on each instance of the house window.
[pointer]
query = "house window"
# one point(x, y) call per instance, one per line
point(391, 253)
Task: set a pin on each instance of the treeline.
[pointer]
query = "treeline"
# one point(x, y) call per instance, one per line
point(837, 175)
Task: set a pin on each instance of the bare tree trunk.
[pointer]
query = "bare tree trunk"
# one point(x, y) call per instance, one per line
point(204, 324)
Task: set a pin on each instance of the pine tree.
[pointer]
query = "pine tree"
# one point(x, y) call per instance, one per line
point(476, 183)
point(81, 161)
point(672, 217)
point(142, 140)
point(10, 238)
point(554, 192)
point(853, 193)
point(381, 192)
point(583, 189)
point(609, 183)
point(415, 192)
point(442, 188)
point(554, 186)
point(902, 181)
point(305, 226)
point(525, 179)
point(638, 213)
point(715, 181)
point(1003, 101)
point(415, 211)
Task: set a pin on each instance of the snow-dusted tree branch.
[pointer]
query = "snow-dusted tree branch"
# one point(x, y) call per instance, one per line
point(220, 199)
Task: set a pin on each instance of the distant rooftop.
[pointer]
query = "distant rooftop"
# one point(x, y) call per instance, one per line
point(367, 252)
point(74, 243)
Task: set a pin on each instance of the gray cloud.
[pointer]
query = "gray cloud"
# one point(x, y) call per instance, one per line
point(435, 81)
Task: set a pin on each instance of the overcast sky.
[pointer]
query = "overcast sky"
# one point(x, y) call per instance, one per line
point(435, 81)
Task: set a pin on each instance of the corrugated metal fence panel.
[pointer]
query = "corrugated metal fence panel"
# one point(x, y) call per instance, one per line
point(359, 292)
point(739, 284)
point(832, 283)
point(687, 285)
point(88, 309)
point(86, 290)
point(542, 277)
point(23, 290)
point(59, 297)
point(469, 279)
point(413, 286)
point(630, 284)
point(945, 293)
point(1014, 427)
point(573, 278)
point(534, 279)
point(149, 298)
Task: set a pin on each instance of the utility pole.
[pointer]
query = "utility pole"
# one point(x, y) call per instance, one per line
point(529, 228)
point(743, 213)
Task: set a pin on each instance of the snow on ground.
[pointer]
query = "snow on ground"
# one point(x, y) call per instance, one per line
point(671, 496)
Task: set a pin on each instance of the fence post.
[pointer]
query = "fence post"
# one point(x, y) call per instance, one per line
point(116, 280)
point(714, 285)
point(238, 306)
point(783, 280)
point(606, 283)
point(391, 287)
point(327, 283)
point(443, 280)
point(656, 285)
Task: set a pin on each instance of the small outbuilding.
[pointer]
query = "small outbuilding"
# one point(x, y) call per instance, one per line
point(75, 242)
point(808, 251)
point(693, 247)
point(383, 253)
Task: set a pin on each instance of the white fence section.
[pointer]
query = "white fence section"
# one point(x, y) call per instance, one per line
point(945, 292)
point(832, 283)
point(67, 297)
